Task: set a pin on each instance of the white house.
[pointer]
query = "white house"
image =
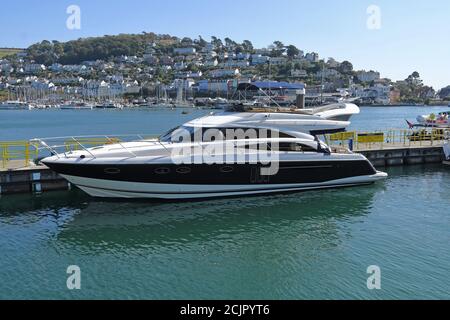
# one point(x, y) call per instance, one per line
point(328, 73)
point(258, 59)
point(299, 73)
point(264, 51)
point(185, 51)
point(211, 63)
point(235, 64)
point(220, 73)
point(131, 87)
point(34, 68)
point(367, 76)
point(275, 61)
point(189, 74)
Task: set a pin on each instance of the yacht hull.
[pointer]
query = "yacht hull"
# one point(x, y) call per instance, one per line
point(127, 190)
point(141, 181)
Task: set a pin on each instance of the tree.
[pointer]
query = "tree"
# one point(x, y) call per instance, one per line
point(414, 80)
point(278, 45)
point(229, 43)
point(186, 41)
point(247, 45)
point(292, 51)
point(444, 93)
point(345, 68)
point(216, 42)
point(201, 41)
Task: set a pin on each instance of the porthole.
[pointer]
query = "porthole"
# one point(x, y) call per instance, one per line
point(112, 170)
point(162, 171)
point(184, 170)
point(226, 169)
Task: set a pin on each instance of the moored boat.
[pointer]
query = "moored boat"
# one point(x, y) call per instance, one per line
point(15, 105)
point(220, 155)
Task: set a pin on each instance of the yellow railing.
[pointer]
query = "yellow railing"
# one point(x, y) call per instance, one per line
point(389, 138)
point(18, 151)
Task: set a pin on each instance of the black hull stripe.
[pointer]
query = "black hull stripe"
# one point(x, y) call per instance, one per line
point(232, 191)
point(300, 172)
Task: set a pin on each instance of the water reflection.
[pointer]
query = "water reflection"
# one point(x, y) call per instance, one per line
point(85, 222)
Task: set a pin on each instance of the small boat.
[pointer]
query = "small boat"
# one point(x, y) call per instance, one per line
point(15, 105)
point(109, 105)
point(441, 120)
point(76, 106)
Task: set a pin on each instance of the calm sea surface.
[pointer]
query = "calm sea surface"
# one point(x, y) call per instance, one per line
point(308, 245)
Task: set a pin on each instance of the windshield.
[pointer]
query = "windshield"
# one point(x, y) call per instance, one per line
point(178, 134)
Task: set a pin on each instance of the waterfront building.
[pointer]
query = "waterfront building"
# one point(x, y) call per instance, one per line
point(67, 80)
point(217, 86)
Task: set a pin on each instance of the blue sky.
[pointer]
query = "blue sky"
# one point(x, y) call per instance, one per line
point(413, 36)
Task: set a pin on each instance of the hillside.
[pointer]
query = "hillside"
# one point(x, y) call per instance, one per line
point(4, 52)
point(94, 48)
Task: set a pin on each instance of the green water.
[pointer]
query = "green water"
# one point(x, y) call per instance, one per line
point(310, 245)
point(297, 246)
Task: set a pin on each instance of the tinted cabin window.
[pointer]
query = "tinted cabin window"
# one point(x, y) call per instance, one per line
point(295, 147)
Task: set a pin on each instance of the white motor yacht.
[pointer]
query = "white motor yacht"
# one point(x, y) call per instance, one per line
point(228, 154)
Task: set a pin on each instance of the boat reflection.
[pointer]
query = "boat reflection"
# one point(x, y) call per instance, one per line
point(103, 225)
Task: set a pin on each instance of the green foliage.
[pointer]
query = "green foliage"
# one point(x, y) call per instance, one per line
point(5, 52)
point(292, 51)
point(444, 93)
point(346, 68)
point(104, 48)
point(3, 95)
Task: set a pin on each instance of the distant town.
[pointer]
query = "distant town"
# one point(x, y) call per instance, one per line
point(148, 67)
